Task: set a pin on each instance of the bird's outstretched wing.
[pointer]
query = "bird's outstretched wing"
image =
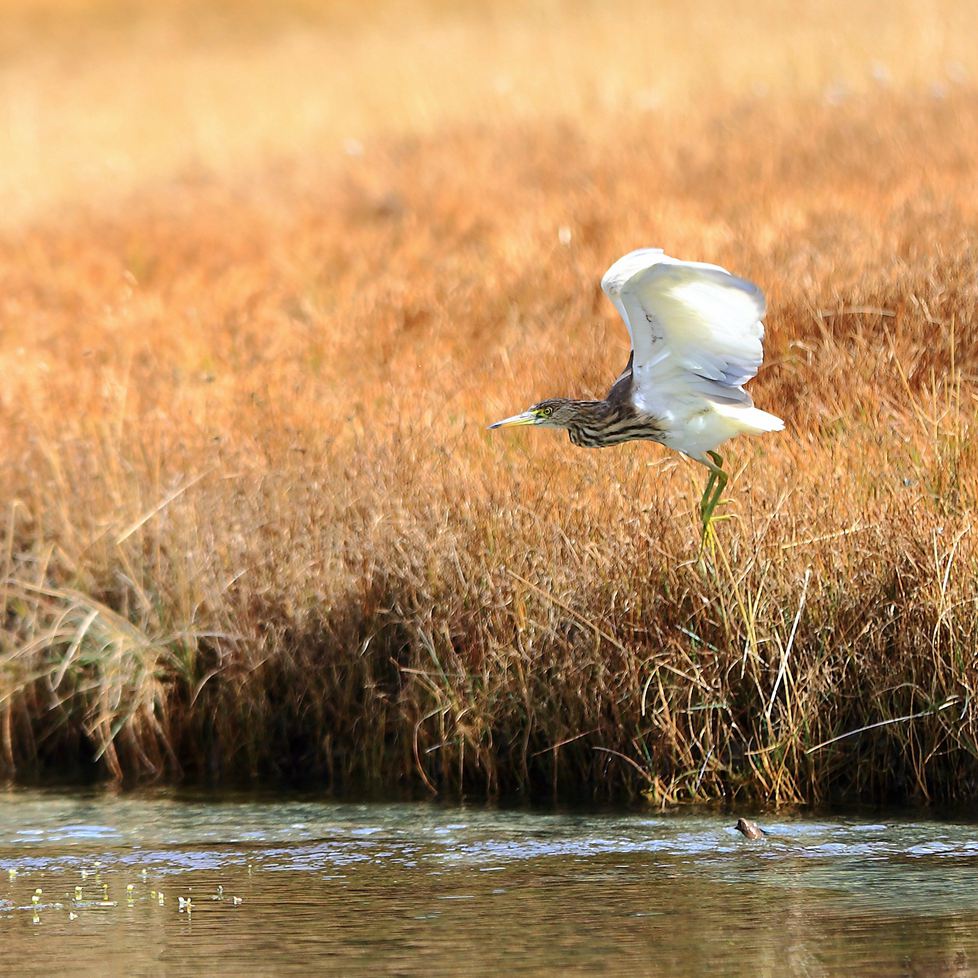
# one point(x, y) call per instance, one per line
point(696, 329)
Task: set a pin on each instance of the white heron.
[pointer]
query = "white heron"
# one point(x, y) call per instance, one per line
point(696, 334)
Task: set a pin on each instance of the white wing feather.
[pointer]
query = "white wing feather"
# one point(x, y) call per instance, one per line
point(696, 330)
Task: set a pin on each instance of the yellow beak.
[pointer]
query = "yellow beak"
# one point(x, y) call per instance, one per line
point(527, 417)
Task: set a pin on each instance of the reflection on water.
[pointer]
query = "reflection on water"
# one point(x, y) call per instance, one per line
point(300, 887)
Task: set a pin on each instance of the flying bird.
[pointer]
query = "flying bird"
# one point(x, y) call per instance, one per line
point(696, 334)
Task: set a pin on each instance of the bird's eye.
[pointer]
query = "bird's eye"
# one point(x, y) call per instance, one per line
point(547, 411)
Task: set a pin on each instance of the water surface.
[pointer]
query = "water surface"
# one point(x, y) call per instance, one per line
point(320, 887)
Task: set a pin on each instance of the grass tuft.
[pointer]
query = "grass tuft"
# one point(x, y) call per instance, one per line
point(254, 527)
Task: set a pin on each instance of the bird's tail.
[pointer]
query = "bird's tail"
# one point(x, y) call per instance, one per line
point(756, 421)
point(746, 419)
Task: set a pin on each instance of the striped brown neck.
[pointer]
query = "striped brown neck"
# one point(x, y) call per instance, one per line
point(597, 424)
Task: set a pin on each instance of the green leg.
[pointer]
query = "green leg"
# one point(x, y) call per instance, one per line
point(705, 499)
point(714, 490)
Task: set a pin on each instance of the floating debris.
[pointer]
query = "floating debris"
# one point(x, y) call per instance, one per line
point(751, 829)
point(36, 906)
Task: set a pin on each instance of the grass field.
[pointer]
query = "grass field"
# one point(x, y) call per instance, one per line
point(266, 275)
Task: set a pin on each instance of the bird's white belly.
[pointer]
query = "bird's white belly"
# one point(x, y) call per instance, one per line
point(697, 433)
point(693, 418)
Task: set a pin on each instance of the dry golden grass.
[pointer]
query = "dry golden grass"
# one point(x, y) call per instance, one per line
point(254, 524)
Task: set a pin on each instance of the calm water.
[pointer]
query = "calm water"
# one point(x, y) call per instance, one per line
point(308, 887)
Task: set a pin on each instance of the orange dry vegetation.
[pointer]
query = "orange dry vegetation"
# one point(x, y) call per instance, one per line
point(254, 524)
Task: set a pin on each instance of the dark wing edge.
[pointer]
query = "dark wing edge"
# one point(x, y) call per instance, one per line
point(621, 389)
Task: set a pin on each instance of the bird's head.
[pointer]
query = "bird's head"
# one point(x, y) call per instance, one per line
point(558, 412)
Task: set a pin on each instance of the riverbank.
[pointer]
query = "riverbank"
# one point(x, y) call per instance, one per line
point(254, 526)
